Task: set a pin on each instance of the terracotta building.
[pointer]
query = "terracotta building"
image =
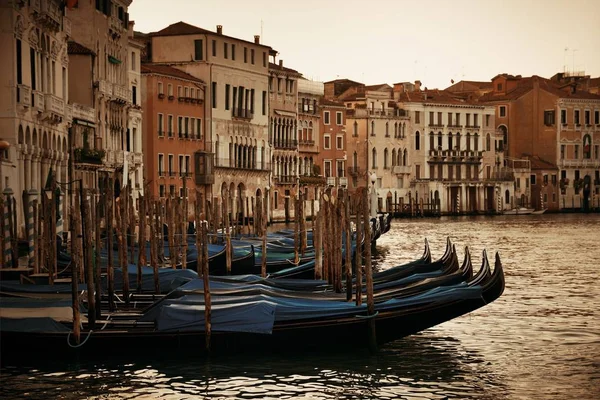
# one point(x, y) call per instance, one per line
point(332, 157)
point(174, 132)
point(237, 114)
point(559, 126)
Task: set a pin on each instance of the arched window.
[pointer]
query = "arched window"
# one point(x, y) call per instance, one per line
point(374, 158)
point(439, 140)
point(431, 141)
point(468, 141)
point(417, 141)
point(450, 145)
point(399, 161)
point(355, 131)
point(403, 130)
point(387, 129)
point(372, 128)
point(476, 142)
point(395, 129)
point(458, 141)
point(507, 197)
point(393, 157)
point(405, 158)
point(385, 158)
point(354, 159)
point(488, 142)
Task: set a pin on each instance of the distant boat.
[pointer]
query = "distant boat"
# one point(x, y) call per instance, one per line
point(519, 211)
point(539, 212)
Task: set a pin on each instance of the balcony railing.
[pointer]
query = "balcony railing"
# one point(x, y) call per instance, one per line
point(89, 156)
point(582, 163)
point(285, 179)
point(401, 169)
point(24, 95)
point(48, 11)
point(242, 113)
point(185, 174)
point(122, 93)
point(285, 144)
point(306, 142)
point(38, 100)
point(105, 88)
point(54, 104)
point(84, 113)
point(231, 163)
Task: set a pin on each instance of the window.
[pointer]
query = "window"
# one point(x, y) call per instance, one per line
point(214, 48)
point(457, 119)
point(417, 141)
point(187, 92)
point(225, 47)
point(327, 168)
point(172, 190)
point(586, 117)
point(487, 120)
point(339, 142)
point(264, 102)
point(563, 117)
point(161, 131)
point(252, 101)
point(374, 158)
point(597, 117)
point(596, 152)
point(387, 129)
point(180, 126)
point(170, 125)
point(198, 50)
point(533, 179)
point(340, 168)
point(161, 164)
point(385, 158)
point(576, 117)
point(170, 166)
point(431, 121)
point(133, 60)
point(545, 177)
point(439, 118)
point(213, 93)
point(161, 189)
point(503, 111)
point(227, 89)
point(326, 143)
point(233, 52)
point(549, 117)
point(170, 90)
point(199, 128)
point(418, 171)
point(264, 59)
point(160, 88)
point(476, 120)
point(179, 91)
point(186, 126)
point(355, 129)
point(499, 87)
point(417, 117)
point(576, 152)
point(181, 170)
point(562, 151)
point(326, 117)
point(245, 54)
point(553, 179)
point(252, 56)
point(372, 128)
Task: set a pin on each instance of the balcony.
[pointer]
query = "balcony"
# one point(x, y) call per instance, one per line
point(580, 163)
point(313, 180)
point(47, 12)
point(306, 142)
point(89, 156)
point(54, 104)
point(67, 26)
point(116, 24)
point(231, 163)
point(185, 174)
point(401, 170)
point(286, 144)
point(342, 181)
point(138, 158)
point(84, 113)
point(242, 113)
point(285, 179)
point(24, 95)
point(330, 181)
point(438, 125)
point(105, 88)
point(121, 93)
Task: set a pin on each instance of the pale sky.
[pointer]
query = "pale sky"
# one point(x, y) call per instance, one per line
point(388, 41)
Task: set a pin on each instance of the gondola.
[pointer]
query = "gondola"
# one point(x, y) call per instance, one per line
point(279, 317)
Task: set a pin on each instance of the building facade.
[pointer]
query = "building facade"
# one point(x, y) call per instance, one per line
point(332, 157)
point(35, 115)
point(237, 114)
point(283, 137)
point(174, 132)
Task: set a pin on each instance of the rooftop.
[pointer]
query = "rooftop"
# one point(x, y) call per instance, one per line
point(169, 71)
point(76, 48)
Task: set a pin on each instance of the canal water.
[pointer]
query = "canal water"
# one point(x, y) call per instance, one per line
point(540, 340)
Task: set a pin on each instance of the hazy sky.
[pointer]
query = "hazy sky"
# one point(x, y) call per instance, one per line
point(396, 40)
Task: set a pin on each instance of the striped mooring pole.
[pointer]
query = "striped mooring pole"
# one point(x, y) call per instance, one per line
point(8, 192)
point(31, 204)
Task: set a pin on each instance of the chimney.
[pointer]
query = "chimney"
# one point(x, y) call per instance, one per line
point(219, 29)
point(257, 39)
point(281, 63)
point(417, 85)
point(398, 87)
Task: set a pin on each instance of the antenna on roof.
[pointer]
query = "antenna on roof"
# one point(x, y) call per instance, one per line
point(261, 30)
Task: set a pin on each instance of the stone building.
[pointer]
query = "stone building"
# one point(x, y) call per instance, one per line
point(283, 136)
point(35, 114)
point(174, 131)
point(108, 145)
point(455, 165)
point(236, 73)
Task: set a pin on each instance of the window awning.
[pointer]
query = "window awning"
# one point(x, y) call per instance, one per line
point(285, 113)
point(114, 60)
